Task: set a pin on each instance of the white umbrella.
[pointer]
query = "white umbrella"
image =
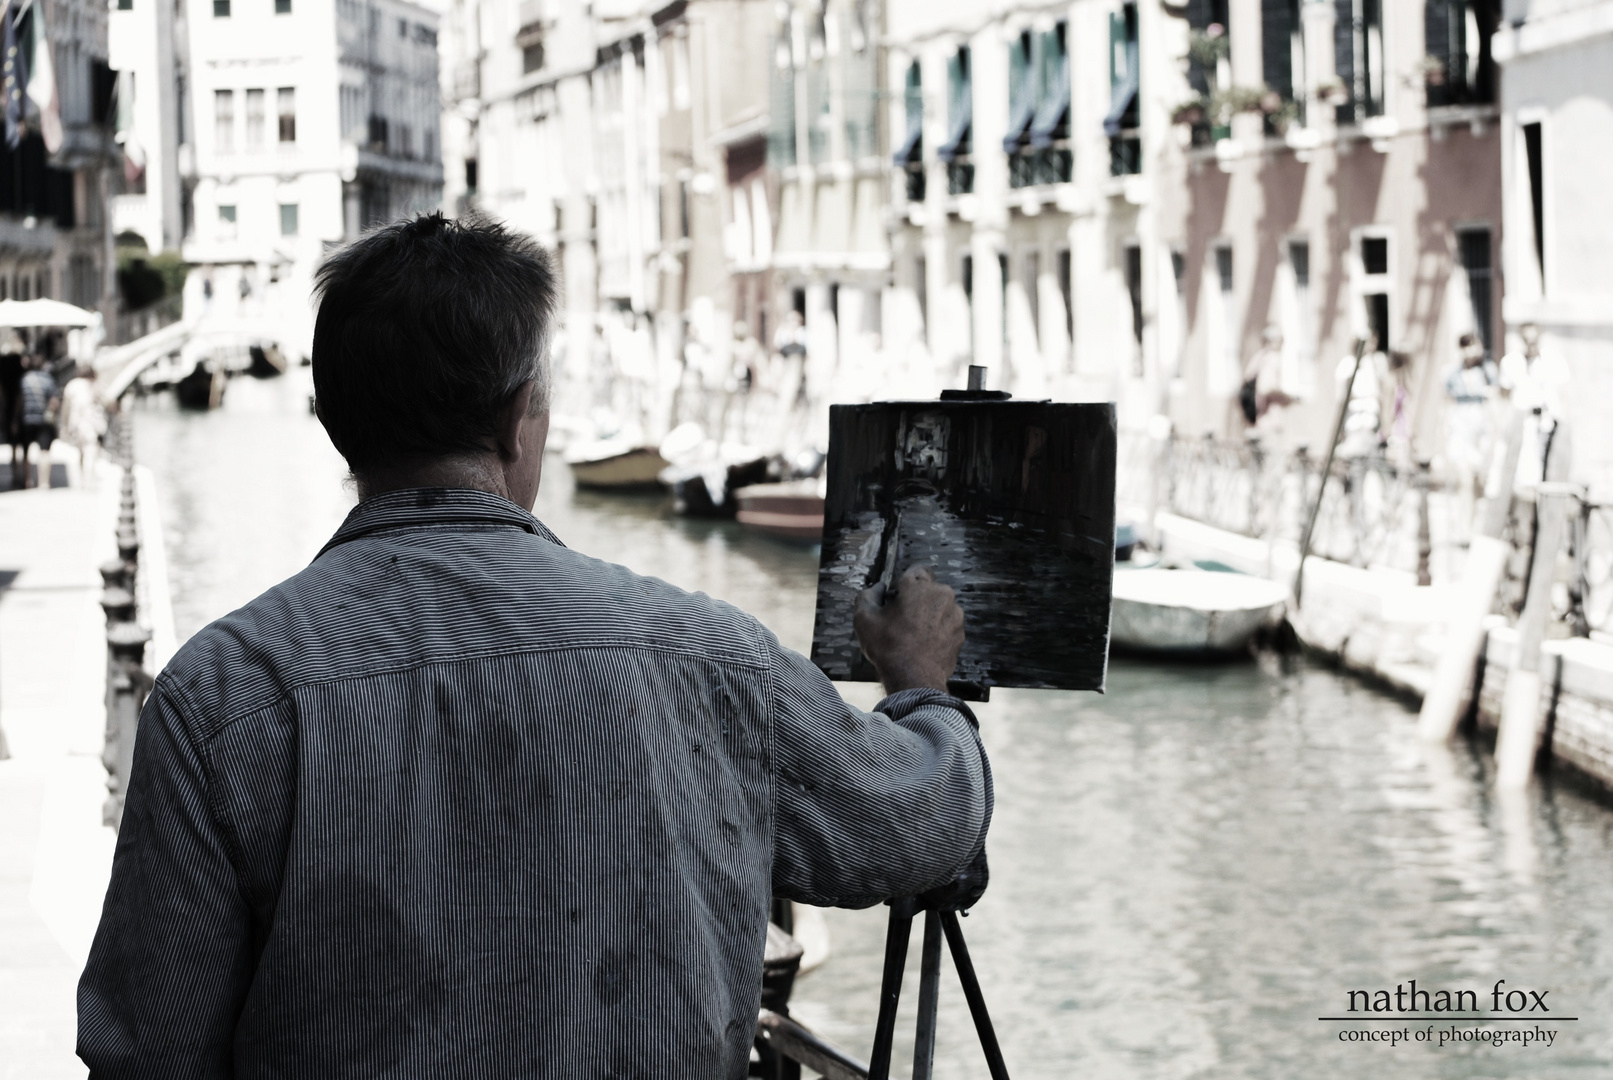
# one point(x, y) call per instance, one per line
point(43, 312)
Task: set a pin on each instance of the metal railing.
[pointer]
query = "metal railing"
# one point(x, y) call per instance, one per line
point(1375, 513)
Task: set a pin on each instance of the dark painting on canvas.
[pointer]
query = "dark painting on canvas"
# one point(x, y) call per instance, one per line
point(1010, 503)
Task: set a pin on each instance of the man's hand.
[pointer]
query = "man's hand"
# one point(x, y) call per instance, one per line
point(913, 640)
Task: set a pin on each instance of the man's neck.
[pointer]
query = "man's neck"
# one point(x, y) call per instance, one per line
point(478, 473)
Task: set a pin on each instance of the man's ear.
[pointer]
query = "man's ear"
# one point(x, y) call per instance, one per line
point(508, 431)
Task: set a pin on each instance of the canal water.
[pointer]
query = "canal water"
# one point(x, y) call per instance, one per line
point(1188, 871)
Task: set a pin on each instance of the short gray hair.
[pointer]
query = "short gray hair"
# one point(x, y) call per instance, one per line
point(426, 328)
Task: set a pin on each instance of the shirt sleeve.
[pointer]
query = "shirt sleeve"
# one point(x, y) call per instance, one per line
point(171, 961)
point(871, 805)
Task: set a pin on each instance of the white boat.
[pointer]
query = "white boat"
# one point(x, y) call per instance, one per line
point(1187, 612)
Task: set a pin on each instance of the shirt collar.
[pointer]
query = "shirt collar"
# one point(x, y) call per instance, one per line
point(416, 507)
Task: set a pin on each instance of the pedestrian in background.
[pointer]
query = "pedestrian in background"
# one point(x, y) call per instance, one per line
point(11, 369)
point(83, 420)
point(1262, 378)
point(1534, 380)
point(40, 402)
point(1468, 390)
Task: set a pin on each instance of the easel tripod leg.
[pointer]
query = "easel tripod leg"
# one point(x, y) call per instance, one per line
point(971, 992)
point(929, 997)
point(890, 989)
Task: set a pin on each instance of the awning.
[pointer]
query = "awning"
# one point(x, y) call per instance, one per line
point(1124, 94)
point(906, 154)
point(43, 313)
point(1055, 106)
point(1019, 122)
point(958, 138)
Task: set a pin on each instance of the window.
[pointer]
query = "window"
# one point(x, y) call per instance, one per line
point(909, 157)
point(1358, 58)
point(1124, 116)
point(1378, 320)
point(429, 144)
point(378, 135)
point(1066, 284)
point(921, 288)
point(405, 141)
point(288, 219)
point(287, 101)
point(529, 39)
point(1033, 289)
point(1303, 330)
point(1134, 289)
point(781, 133)
point(403, 28)
point(960, 123)
point(470, 175)
point(1375, 254)
point(125, 5)
point(1534, 151)
point(1460, 68)
point(966, 275)
point(1282, 37)
point(1039, 107)
point(282, 7)
point(254, 119)
point(226, 221)
point(1225, 369)
point(224, 120)
point(352, 111)
point(1474, 250)
point(221, 9)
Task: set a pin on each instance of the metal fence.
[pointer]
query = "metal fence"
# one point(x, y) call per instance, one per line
point(1375, 512)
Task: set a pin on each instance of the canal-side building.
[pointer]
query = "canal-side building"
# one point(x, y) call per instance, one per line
point(314, 119)
point(1556, 60)
point(629, 138)
point(1333, 170)
point(827, 146)
point(57, 182)
point(1022, 207)
point(147, 42)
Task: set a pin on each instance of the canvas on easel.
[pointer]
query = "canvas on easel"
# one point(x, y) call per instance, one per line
point(1010, 503)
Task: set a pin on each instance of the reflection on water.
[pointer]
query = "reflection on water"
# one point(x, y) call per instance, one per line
point(1187, 871)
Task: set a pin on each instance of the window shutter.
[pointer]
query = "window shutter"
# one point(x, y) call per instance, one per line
point(1276, 46)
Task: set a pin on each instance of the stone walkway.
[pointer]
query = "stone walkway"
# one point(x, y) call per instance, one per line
point(54, 851)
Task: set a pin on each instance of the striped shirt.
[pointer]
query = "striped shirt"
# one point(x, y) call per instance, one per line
point(459, 801)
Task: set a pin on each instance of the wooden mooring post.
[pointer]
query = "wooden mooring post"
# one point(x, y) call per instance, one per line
point(1450, 690)
point(1517, 742)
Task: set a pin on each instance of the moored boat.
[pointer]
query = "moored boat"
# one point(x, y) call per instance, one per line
point(792, 510)
point(1192, 612)
point(203, 388)
point(616, 468)
point(267, 361)
point(707, 489)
